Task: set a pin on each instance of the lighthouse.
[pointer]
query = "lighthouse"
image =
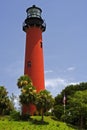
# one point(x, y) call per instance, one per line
point(34, 25)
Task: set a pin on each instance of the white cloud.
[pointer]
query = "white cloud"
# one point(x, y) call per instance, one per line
point(55, 82)
point(71, 69)
point(56, 85)
point(48, 71)
point(73, 83)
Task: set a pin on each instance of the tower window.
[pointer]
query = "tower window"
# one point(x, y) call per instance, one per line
point(29, 64)
point(41, 44)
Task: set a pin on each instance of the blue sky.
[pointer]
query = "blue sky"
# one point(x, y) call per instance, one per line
point(65, 42)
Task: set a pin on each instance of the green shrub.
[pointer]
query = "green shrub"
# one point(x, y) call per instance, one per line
point(15, 115)
point(25, 117)
point(48, 113)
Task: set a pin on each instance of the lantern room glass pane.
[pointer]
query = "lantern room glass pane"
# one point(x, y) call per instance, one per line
point(34, 12)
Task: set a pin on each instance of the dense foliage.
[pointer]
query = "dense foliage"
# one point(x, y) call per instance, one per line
point(75, 105)
point(6, 105)
point(28, 92)
point(23, 81)
point(78, 108)
point(44, 102)
point(28, 95)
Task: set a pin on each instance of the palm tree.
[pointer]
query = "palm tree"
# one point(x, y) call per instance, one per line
point(23, 81)
point(28, 93)
point(44, 102)
point(28, 97)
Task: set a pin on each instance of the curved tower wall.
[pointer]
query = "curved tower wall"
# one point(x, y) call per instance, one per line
point(34, 25)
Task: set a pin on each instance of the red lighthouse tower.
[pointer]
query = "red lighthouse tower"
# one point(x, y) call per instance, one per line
point(34, 64)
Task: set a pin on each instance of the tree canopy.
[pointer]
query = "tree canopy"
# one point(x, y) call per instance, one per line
point(23, 81)
point(5, 104)
point(75, 105)
point(44, 102)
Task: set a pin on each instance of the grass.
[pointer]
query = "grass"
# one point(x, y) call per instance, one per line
point(33, 124)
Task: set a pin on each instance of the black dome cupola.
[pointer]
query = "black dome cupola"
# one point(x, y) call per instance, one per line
point(34, 18)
